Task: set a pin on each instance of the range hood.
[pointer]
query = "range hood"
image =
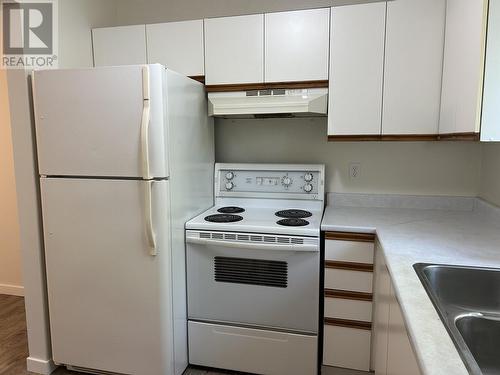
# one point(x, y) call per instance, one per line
point(269, 103)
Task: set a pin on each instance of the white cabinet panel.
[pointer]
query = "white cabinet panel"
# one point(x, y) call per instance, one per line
point(296, 45)
point(234, 49)
point(490, 129)
point(382, 299)
point(339, 308)
point(178, 46)
point(347, 347)
point(413, 66)
point(356, 69)
point(125, 45)
point(463, 66)
point(355, 281)
point(349, 251)
point(400, 356)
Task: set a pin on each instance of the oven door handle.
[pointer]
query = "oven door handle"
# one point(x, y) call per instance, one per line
point(254, 246)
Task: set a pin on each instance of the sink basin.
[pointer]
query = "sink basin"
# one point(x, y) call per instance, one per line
point(468, 302)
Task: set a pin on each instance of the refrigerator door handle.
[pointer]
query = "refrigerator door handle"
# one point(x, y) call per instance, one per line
point(146, 114)
point(149, 218)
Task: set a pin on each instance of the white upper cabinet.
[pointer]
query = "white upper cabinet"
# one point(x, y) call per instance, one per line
point(356, 69)
point(178, 46)
point(296, 45)
point(490, 127)
point(125, 45)
point(234, 50)
point(463, 66)
point(413, 66)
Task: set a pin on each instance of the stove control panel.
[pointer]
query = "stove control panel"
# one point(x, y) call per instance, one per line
point(242, 181)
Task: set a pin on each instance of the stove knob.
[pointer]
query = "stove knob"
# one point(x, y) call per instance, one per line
point(229, 185)
point(229, 175)
point(308, 188)
point(308, 177)
point(286, 181)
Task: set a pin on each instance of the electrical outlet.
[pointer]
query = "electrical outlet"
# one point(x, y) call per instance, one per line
point(354, 170)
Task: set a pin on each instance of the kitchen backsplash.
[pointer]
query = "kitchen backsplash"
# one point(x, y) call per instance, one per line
point(417, 168)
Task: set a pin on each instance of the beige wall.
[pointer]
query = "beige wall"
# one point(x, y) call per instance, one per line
point(76, 19)
point(432, 168)
point(490, 173)
point(10, 251)
point(152, 11)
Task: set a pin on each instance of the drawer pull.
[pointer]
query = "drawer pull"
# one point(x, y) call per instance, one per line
point(347, 236)
point(363, 267)
point(348, 323)
point(346, 294)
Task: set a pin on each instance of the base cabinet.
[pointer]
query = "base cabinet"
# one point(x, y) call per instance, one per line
point(392, 350)
point(348, 282)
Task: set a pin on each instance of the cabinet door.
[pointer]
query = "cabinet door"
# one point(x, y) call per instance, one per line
point(234, 50)
point(400, 356)
point(413, 66)
point(463, 67)
point(296, 45)
point(490, 129)
point(178, 46)
point(124, 45)
point(356, 69)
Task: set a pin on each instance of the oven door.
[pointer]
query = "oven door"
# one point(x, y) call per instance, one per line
point(253, 280)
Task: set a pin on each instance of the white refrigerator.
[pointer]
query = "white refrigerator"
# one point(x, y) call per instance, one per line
point(125, 157)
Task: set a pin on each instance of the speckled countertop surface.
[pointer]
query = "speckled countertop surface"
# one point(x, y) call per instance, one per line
point(455, 235)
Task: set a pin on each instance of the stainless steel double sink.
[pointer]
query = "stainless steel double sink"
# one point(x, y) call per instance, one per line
point(468, 302)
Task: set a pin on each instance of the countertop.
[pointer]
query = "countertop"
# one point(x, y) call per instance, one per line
point(467, 233)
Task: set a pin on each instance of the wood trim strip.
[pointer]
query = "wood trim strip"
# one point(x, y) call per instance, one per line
point(266, 86)
point(354, 138)
point(200, 79)
point(350, 236)
point(351, 266)
point(460, 137)
point(346, 294)
point(356, 324)
point(405, 137)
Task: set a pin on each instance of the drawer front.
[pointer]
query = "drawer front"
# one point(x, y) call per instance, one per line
point(349, 251)
point(252, 350)
point(341, 308)
point(347, 347)
point(356, 281)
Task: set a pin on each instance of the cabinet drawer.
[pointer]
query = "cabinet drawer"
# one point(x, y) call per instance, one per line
point(350, 309)
point(347, 347)
point(349, 251)
point(344, 279)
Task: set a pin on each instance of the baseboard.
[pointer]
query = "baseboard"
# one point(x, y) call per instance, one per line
point(13, 290)
point(40, 366)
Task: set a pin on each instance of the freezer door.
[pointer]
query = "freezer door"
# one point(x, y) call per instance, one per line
point(109, 299)
point(101, 121)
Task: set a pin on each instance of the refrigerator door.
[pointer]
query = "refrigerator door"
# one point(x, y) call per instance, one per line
point(110, 300)
point(101, 122)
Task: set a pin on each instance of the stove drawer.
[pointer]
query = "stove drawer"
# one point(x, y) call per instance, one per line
point(252, 350)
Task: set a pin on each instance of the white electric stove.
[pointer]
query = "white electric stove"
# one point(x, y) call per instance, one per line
point(253, 265)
